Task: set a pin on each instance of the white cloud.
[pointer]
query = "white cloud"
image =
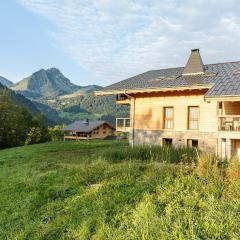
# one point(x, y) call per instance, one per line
point(117, 39)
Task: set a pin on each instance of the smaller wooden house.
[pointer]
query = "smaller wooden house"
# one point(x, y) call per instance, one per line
point(88, 129)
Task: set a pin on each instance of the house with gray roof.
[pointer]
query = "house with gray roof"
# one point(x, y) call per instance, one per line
point(88, 129)
point(197, 105)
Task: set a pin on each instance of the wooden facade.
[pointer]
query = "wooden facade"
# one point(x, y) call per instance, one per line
point(100, 132)
point(218, 122)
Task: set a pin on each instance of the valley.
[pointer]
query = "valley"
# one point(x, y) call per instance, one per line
point(60, 101)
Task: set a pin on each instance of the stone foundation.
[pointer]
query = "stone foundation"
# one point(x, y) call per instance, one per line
point(207, 142)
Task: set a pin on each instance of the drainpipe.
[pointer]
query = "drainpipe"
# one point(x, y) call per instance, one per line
point(132, 115)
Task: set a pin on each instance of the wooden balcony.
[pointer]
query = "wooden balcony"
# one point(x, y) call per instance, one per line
point(229, 123)
point(75, 138)
point(122, 124)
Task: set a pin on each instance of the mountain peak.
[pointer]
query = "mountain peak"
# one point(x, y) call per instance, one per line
point(53, 69)
point(45, 83)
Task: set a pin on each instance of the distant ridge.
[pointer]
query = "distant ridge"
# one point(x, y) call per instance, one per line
point(6, 82)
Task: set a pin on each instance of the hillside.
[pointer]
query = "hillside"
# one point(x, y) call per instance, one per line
point(5, 81)
point(81, 92)
point(107, 190)
point(90, 106)
point(51, 115)
point(20, 100)
point(45, 83)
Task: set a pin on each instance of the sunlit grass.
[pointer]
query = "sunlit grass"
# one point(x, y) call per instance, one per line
point(107, 190)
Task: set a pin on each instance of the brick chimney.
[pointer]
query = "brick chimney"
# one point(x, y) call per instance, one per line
point(194, 64)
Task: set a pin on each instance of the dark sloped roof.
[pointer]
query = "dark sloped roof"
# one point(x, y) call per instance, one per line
point(83, 126)
point(222, 77)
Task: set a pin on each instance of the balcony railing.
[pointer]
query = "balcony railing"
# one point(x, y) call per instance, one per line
point(122, 124)
point(229, 123)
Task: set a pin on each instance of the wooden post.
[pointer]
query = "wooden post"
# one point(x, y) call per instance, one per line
point(132, 119)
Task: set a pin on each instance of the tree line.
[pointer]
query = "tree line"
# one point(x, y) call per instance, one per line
point(18, 127)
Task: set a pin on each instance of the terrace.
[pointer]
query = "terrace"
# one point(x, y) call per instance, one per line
point(229, 116)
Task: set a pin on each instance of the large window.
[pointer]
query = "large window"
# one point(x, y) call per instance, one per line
point(168, 117)
point(193, 118)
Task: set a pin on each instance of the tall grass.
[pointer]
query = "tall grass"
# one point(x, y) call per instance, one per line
point(106, 190)
point(233, 170)
point(164, 154)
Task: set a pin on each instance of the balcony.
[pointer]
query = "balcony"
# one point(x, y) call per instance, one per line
point(229, 116)
point(229, 123)
point(122, 124)
point(122, 99)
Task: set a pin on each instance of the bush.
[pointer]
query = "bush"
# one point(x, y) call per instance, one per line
point(56, 133)
point(39, 132)
point(207, 165)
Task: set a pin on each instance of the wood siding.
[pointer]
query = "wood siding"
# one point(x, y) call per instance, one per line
point(149, 111)
point(99, 133)
point(102, 132)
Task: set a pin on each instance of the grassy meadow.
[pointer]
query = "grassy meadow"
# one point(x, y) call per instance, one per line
point(106, 190)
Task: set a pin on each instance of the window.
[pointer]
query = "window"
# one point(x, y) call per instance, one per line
point(104, 126)
point(104, 132)
point(193, 118)
point(167, 141)
point(81, 134)
point(168, 117)
point(192, 143)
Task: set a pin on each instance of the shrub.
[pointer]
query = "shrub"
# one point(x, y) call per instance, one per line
point(34, 136)
point(56, 133)
point(208, 165)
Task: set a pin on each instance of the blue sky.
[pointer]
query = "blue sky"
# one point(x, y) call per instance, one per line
point(104, 41)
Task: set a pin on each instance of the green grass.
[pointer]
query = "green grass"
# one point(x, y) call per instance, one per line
point(106, 190)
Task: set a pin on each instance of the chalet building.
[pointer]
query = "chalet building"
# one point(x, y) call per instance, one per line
point(196, 105)
point(87, 129)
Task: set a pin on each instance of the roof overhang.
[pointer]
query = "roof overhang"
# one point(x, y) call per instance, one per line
point(149, 90)
point(76, 130)
point(223, 98)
